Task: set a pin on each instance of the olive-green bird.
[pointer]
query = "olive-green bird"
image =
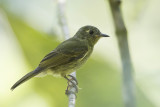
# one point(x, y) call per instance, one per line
point(68, 56)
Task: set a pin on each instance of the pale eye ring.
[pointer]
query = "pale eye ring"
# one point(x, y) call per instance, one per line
point(91, 32)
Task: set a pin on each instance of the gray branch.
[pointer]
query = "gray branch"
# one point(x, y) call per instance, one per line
point(62, 18)
point(121, 32)
point(65, 31)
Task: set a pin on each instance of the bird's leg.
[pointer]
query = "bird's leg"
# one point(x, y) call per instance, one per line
point(73, 84)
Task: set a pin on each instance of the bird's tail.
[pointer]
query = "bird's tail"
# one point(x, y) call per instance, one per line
point(27, 77)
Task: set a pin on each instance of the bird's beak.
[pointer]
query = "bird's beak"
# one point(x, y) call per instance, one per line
point(103, 35)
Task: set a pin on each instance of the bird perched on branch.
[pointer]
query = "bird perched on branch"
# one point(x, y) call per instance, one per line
point(68, 56)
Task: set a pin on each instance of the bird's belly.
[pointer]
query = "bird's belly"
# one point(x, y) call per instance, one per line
point(61, 70)
point(66, 69)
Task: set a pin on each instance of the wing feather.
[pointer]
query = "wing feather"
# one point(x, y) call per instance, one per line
point(64, 53)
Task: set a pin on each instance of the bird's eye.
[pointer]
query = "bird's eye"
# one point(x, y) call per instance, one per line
point(91, 32)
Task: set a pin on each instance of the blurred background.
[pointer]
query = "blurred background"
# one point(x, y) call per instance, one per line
point(29, 29)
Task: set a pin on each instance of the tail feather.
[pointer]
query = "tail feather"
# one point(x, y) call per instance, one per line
point(27, 77)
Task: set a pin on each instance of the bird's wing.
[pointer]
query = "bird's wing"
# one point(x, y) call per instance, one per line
point(64, 53)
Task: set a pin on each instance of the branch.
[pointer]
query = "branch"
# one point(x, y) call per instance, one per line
point(121, 32)
point(64, 27)
point(62, 18)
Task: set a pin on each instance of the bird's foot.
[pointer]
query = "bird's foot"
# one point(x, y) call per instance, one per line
point(72, 82)
point(73, 78)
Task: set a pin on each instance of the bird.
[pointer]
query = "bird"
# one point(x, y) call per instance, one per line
point(68, 56)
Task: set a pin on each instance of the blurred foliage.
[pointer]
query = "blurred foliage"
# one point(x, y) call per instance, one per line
point(100, 81)
point(33, 42)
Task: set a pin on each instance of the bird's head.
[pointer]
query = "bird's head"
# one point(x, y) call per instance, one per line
point(89, 33)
